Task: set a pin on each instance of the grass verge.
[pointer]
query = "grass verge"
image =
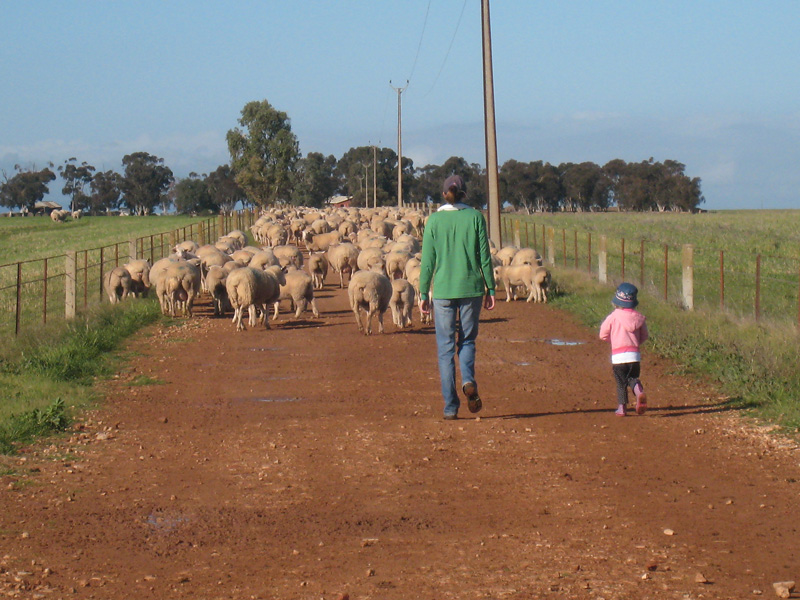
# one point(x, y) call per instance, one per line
point(47, 375)
point(754, 365)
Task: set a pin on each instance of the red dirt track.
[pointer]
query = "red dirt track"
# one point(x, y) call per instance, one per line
point(310, 461)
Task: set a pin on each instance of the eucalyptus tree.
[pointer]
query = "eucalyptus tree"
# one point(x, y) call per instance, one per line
point(191, 196)
point(145, 181)
point(77, 179)
point(224, 191)
point(25, 188)
point(315, 180)
point(264, 153)
point(105, 192)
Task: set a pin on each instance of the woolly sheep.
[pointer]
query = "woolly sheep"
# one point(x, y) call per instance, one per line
point(240, 236)
point(322, 241)
point(299, 288)
point(215, 283)
point(253, 289)
point(140, 277)
point(117, 284)
point(402, 302)
point(188, 246)
point(343, 259)
point(506, 254)
point(396, 263)
point(243, 256)
point(369, 257)
point(58, 216)
point(77, 214)
point(530, 276)
point(318, 269)
point(371, 292)
point(263, 259)
point(178, 287)
point(526, 256)
point(288, 255)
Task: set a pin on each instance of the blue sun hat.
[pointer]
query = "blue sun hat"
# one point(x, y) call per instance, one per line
point(625, 296)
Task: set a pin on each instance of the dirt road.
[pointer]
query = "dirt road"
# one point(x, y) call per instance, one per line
point(310, 461)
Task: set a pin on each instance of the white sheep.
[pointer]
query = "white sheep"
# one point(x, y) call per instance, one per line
point(505, 255)
point(178, 286)
point(215, 283)
point(253, 289)
point(396, 263)
point(369, 291)
point(318, 269)
point(343, 259)
point(321, 241)
point(299, 288)
point(526, 256)
point(188, 246)
point(368, 257)
point(139, 270)
point(288, 255)
point(263, 259)
point(58, 215)
point(402, 302)
point(117, 284)
point(535, 279)
point(77, 214)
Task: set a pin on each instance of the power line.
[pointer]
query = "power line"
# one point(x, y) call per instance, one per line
point(421, 35)
point(453, 39)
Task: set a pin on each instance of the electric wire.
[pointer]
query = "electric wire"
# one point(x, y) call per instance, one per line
point(421, 36)
point(450, 47)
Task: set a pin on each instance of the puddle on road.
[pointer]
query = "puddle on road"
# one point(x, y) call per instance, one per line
point(165, 523)
point(552, 341)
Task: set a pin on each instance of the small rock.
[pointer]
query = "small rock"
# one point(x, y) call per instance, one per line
point(25, 535)
point(700, 578)
point(669, 532)
point(783, 589)
point(646, 576)
point(652, 566)
point(344, 596)
point(370, 572)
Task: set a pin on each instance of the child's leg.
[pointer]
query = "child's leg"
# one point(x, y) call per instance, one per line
point(638, 390)
point(621, 379)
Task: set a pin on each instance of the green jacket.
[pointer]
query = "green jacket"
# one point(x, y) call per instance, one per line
point(455, 255)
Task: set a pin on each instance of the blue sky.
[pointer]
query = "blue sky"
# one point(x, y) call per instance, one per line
point(715, 85)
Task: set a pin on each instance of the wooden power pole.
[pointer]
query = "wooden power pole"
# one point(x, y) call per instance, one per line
point(491, 131)
point(399, 144)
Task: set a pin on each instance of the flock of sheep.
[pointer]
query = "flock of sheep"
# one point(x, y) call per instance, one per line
point(60, 215)
point(375, 252)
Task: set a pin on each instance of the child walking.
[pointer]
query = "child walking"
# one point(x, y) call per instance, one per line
point(626, 329)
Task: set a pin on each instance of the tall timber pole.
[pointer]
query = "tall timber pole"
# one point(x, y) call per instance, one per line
point(491, 132)
point(399, 144)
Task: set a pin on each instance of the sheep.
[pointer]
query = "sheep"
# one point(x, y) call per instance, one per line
point(343, 258)
point(117, 284)
point(318, 269)
point(140, 277)
point(253, 289)
point(410, 265)
point(178, 286)
point(288, 255)
point(321, 241)
point(412, 277)
point(158, 268)
point(319, 226)
point(215, 283)
point(526, 256)
point(402, 302)
point(77, 214)
point(243, 256)
point(370, 291)
point(299, 288)
point(188, 246)
point(531, 276)
point(368, 257)
point(58, 216)
point(263, 259)
point(396, 263)
point(240, 236)
point(506, 254)
point(276, 235)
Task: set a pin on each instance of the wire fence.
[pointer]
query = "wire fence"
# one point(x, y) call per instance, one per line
point(750, 286)
point(35, 292)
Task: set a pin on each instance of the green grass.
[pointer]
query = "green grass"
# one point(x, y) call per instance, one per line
point(47, 376)
point(144, 380)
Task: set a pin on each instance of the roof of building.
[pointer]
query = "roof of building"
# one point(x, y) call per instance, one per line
point(47, 204)
point(339, 199)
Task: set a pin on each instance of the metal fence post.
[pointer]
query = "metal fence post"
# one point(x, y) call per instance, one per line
point(758, 287)
point(687, 260)
point(18, 309)
point(69, 284)
point(132, 250)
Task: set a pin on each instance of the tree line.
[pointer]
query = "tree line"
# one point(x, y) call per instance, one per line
point(266, 167)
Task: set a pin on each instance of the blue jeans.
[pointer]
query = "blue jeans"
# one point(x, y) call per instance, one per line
point(456, 324)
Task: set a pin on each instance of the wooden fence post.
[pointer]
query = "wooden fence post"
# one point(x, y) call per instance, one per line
point(602, 260)
point(687, 260)
point(69, 284)
point(550, 242)
point(758, 287)
point(220, 226)
point(516, 234)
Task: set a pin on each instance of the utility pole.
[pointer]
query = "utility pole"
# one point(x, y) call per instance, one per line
point(374, 176)
point(491, 132)
point(399, 144)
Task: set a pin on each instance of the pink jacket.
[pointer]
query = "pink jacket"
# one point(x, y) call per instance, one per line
point(626, 329)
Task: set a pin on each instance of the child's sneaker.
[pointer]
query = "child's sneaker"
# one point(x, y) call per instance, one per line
point(641, 403)
point(641, 399)
point(620, 412)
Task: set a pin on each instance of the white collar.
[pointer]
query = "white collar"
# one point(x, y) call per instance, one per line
point(456, 206)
